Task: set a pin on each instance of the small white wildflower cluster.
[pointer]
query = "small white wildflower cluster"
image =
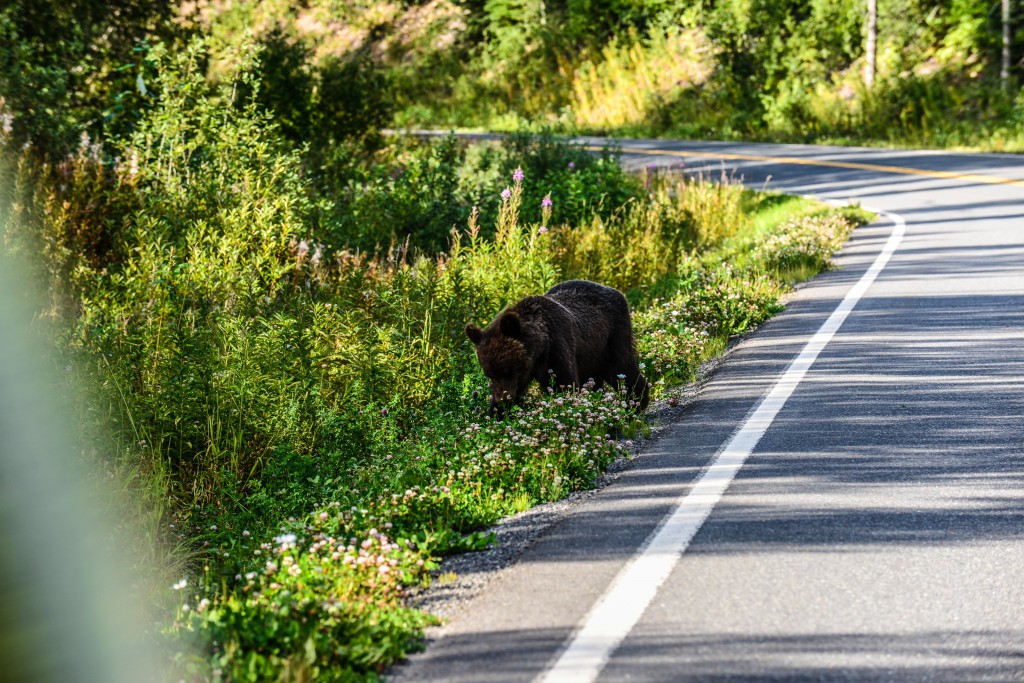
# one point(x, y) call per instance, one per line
point(811, 241)
point(671, 339)
point(674, 336)
point(562, 440)
point(304, 572)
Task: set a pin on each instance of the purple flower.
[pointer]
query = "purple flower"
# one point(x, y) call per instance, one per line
point(572, 165)
point(506, 194)
point(542, 229)
point(518, 175)
point(546, 202)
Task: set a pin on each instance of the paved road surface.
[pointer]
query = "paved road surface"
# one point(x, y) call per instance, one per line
point(876, 530)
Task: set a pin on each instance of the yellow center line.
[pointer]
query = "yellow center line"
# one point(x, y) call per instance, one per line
point(948, 175)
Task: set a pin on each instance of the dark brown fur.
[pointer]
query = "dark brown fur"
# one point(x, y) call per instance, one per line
point(577, 331)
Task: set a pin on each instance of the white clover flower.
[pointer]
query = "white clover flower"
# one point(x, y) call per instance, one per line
point(285, 539)
point(181, 584)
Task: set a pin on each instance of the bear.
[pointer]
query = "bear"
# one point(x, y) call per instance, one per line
point(577, 331)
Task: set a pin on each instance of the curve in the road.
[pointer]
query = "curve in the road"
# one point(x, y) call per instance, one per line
point(629, 595)
point(831, 163)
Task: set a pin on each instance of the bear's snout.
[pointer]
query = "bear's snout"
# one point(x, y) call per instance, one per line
point(502, 396)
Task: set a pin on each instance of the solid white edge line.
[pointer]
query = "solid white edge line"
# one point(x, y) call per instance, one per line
point(618, 610)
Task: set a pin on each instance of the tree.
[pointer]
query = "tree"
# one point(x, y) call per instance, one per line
point(64, 63)
point(872, 43)
point(1004, 71)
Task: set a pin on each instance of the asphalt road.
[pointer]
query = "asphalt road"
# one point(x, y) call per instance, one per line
point(876, 530)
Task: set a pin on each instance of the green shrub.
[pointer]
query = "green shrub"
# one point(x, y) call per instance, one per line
point(675, 335)
point(318, 603)
point(804, 245)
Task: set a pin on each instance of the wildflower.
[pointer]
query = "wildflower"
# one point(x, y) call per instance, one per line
point(546, 202)
point(133, 164)
point(518, 175)
point(542, 229)
point(323, 516)
point(294, 570)
point(285, 539)
point(506, 194)
point(203, 604)
point(245, 533)
point(181, 584)
point(572, 165)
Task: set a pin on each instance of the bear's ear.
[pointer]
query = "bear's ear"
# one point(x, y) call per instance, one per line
point(510, 324)
point(474, 333)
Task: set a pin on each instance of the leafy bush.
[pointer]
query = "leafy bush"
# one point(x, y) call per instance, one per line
point(645, 239)
point(635, 78)
point(807, 244)
point(68, 68)
point(677, 334)
point(315, 604)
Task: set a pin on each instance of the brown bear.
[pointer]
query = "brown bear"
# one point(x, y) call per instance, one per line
point(576, 331)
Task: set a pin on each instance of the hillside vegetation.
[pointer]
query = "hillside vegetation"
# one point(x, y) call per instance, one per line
point(746, 69)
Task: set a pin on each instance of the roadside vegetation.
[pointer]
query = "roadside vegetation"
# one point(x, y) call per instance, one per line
point(258, 301)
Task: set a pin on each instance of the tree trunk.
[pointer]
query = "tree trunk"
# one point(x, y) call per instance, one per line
point(1004, 71)
point(872, 43)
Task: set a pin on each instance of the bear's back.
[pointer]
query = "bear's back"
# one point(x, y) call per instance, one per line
point(588, 300)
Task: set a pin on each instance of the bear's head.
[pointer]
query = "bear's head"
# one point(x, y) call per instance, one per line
point(504, 358)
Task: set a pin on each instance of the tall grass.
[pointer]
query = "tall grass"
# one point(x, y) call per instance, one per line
point(631, 79)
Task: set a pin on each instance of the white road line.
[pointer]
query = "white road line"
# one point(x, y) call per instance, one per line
point(621, 606)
